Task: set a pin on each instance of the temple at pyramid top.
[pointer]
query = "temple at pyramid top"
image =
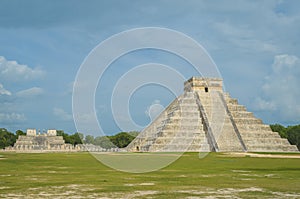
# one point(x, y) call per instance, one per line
point(202, 84)
point(204, 118)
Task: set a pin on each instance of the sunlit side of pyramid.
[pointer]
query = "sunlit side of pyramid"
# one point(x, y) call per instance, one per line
point(204, 118)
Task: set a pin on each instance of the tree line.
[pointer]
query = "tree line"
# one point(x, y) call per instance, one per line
point(8, 138)
point(119, 140)
point(122, 139)
point(292, 133)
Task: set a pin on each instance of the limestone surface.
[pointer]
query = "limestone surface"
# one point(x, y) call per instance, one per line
point(204, 118)
point(40, 142)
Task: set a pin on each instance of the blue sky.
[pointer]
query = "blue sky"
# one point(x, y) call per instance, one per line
point(255, 45)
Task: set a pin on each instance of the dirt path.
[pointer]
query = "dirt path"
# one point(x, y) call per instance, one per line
point(262, 155)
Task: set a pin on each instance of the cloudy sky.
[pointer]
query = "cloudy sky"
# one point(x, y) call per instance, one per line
point(255, 45)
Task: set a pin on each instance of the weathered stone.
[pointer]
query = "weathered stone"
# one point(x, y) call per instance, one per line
point(204, 118)
point(41, 142)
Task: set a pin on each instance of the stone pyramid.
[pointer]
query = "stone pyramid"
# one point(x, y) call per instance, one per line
point(204, 118)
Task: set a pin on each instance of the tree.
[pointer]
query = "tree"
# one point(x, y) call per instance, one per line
point(293, 135)
point(6, 138)
point(104, 142)
point(20, 132)
point(65, 136)
point(122, 139)
point(89, 139)
point(81, 136)
point(75, 139)
point(119, 140)
point(280, 129)
point(60, 132)
point(134, 133)
point(71, 139)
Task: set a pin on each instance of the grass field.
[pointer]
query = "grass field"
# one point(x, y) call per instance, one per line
point(80, 175)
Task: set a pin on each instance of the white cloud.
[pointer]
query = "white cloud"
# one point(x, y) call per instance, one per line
point(62, 114)
point(154, 110)
point(247, 36)
point(70, 86)
point(85, 118)
point(244, 37)
point(285, 63)
point(31, 92)
point(12, 118)
point(3, 91)
point(280, 91)
point(233, 31)
point(13, 71)
point(262, 104)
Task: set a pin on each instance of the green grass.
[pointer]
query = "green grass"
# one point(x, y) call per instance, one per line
point(80, 174)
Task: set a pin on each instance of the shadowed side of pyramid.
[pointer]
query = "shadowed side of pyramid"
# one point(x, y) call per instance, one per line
point(203, 119)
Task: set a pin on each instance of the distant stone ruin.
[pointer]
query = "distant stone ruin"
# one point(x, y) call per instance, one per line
point(40, 142)
point(51, 142)
point(95, 148)
point(204, 118)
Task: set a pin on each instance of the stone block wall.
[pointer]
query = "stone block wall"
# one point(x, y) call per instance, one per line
point(204, 118)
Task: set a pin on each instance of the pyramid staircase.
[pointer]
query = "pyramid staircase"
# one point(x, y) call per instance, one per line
point(178, 128)
point(206, 119)
point(256, 135)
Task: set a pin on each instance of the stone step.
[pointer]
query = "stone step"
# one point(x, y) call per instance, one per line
point(187, 101)
point(187, 97)
point(188, 108)
point(197, 148)
point(230, 148)
point(231, 101)
point(173, 108)
point(169, 132)
point(246, 121)
point(183, 135)
point(242, 114)
point(233, 107)
point(267, 141)
point(188, 94)
point(179, 148)
point(179, 127)
point(194, 122)
point(253, 127)
point(173, 114)
point(259, 134)
point(195, 130)
point(184, 124)
point(215, 119)
point(272, 148)
point(191, 113)
point(179, 141)
point(209, 98)
point(222, 128)
point(214, 107)
point(197, 125)
point(210, 102)
point(180, 133)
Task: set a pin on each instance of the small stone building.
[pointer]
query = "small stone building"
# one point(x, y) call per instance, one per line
point(47, 141)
